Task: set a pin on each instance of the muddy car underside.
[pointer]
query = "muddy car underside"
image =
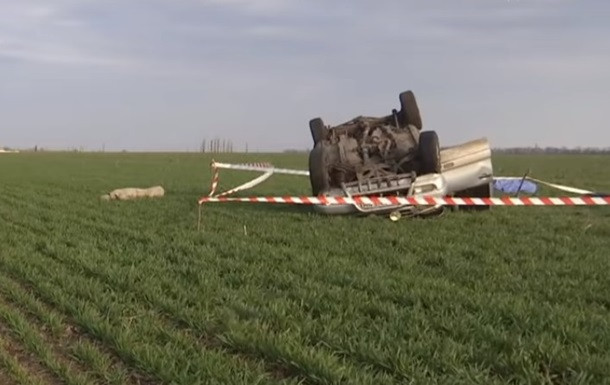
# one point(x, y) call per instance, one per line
point(392, 155)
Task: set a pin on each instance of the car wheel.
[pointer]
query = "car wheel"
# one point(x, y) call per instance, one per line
point(318, 130)
point(318, 169)
point(409, 111)
point(429, 153)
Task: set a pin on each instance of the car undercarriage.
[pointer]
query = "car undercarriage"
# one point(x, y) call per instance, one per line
point(392, 155)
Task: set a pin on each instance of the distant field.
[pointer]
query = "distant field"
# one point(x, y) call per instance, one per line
point(98, 292)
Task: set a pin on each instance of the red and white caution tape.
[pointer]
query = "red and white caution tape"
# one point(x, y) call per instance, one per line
point(370, 201)
point(247, 185)
point(266, 168)
point(262, 167)
point(419, 201)
point(568, 189)
point(215, 179)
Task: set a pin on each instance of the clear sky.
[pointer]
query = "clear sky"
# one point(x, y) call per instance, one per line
point(165, 74)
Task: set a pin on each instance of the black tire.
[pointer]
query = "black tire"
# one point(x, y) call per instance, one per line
point(429, 153)
point(318, 130)
point(409, 111)
point(318, 169)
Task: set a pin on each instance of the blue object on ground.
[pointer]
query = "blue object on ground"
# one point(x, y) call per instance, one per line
point(511, 186)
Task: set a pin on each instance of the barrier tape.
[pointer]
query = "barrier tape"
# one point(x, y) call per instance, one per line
point(420, 201)
point(215, 180)
point(267, 168)
point(262, 167)
point(569, 189)
point(372, 201)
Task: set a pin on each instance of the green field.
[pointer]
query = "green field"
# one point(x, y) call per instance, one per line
point(96, 292)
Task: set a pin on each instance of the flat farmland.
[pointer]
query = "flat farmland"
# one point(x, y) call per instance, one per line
point(95, 292)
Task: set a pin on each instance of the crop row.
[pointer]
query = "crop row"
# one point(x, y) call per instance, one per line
point(385, 327)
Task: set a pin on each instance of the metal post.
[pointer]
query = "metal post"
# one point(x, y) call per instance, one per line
point(522, 181)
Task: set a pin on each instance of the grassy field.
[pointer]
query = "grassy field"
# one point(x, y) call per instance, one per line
point(98, 292)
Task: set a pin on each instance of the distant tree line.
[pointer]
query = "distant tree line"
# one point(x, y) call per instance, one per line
point(552, 150)
point(296, 151)
point(217, 145)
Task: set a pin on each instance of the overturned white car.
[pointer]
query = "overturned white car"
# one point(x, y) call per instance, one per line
point(392, 155)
